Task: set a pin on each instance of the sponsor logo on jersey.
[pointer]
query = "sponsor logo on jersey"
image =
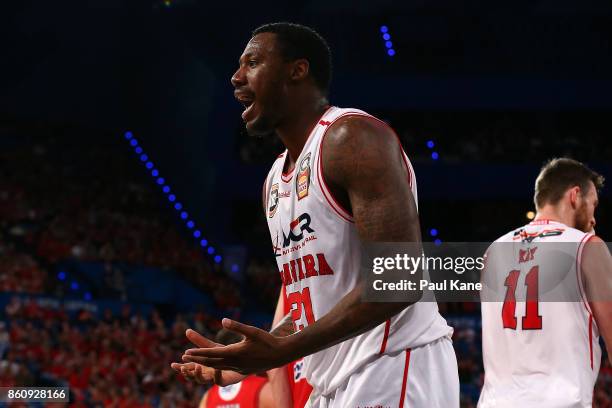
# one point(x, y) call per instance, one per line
point(307, 266)
point(230, 392)
point(297, 228)
point(303, 178)
point(525, 236)
point(273, 200)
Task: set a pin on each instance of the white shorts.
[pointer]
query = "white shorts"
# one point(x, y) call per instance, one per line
point(424, 377)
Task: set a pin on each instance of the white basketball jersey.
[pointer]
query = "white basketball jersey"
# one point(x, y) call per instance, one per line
point(540, 341)
point(318, 253)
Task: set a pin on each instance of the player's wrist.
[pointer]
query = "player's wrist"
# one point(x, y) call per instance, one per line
point(227, 377)
point(289, 348)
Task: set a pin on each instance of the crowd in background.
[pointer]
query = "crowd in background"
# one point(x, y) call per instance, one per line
point(112, 361)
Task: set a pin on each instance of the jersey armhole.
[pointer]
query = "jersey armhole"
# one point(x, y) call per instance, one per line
point(586, 238)
point(327, 194)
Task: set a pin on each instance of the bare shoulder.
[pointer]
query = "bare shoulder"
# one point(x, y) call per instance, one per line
point(356, 146)
point(359, 132)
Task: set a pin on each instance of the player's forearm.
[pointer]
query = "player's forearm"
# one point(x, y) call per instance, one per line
point(279, 381)
point(282, 326)
point(349, 318)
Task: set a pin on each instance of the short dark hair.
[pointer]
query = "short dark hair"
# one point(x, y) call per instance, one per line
point(560, 174)
point(297, 41)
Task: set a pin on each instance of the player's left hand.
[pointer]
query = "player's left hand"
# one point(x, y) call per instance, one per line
point(258, 351)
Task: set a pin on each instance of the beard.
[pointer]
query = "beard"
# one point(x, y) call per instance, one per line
point(582, 221)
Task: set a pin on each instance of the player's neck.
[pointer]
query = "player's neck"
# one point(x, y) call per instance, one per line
point(295, 129)
point(555, 213)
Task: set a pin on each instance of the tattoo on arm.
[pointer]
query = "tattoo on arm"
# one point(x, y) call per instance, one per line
point(364, 168)
point(284, 328)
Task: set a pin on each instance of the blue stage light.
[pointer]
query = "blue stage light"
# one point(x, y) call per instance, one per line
point(74, 286)
point(218, 259)
point(435, 156)
point(161, 181)
point(196, 234)
point(384, 29)
point(128, 135)
point(154, 173)
point(430, 144)
point(184, 215)
point(190, 224)
point(235, 268)
point(149, 165)
point(438, 242)
point(203, 243)
point(391, 52)
point(211, 250)
point(433, 232)
point(388, 44)
point(386, 37)
point(166, 189)
point(138, 150)
point(144, 158)
point(178, 206)
point(87, 296)
point(134, 142)
point(61, 276)
point(171, 198)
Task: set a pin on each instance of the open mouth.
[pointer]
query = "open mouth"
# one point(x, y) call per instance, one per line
point(248, 103)
point(247, 100)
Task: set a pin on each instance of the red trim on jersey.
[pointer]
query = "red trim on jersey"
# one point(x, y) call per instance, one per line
point(286, 177)
point(542, 221)
point(331, 200)
point(405, 380)
point(579, 272)
point(591, 338)
point(582, 292)
point(343, 212)
point(383, 346)
point(398, 142)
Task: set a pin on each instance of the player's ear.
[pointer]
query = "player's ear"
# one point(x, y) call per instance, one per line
point(574, 196)
point(299, 69)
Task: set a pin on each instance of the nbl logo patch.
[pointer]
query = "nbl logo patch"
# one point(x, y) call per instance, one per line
point(229, 392)
point(298, 367)
point(273, 201)
point(303, 177)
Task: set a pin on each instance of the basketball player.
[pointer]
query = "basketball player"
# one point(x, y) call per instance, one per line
point(251, 392)
point(342, 181)
point(541, 344)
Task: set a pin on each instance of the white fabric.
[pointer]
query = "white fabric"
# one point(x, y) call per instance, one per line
point(311, 231)
point(430, 377)
point(551, 366)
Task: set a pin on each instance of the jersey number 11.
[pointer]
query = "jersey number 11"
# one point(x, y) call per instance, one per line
point(532, 320)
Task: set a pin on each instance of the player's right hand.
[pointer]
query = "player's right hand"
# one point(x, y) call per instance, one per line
point(202, 374)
